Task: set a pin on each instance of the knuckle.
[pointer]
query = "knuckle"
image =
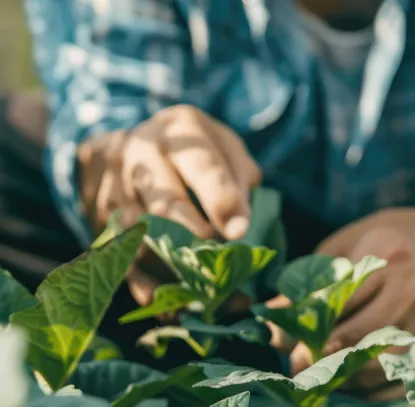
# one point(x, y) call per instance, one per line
point(160, 208)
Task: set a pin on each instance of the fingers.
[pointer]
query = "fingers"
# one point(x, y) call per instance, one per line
point(160, 159)
point(279, 338)
point(281, 301)
point(384, 241)
point(243, 167)
point(202, 167)
point(152, 178)
point(300, 359)
point(110, 196)
point(339, 244)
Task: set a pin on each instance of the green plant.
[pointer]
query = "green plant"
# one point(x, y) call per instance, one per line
point(319, 288)
point(207, 273)
point(50, 355)
point(312, 387)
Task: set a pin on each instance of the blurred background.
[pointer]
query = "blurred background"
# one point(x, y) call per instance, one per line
point(16, 66)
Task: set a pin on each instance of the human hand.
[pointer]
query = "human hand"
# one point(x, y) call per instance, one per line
point(150, 169)
point(385, 299)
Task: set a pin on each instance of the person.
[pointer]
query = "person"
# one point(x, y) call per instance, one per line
point(152, 99)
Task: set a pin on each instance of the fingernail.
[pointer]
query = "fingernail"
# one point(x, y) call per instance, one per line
point(236, 227)
point(332, 347)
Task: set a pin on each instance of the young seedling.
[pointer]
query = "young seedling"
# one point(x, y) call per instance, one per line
point(207, 273)
point(319, 288)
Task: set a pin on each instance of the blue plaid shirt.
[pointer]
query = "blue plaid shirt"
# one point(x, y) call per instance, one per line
point(339, 147)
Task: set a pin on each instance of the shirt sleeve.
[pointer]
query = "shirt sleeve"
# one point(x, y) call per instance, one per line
point(107, 65)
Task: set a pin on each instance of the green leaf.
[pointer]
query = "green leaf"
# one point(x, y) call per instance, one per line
point(240, 400)
point(210, 270)
point(110, 379)
point(314, 317)
point(73, 300)
point(266, 210)
point(68, 401)
point(156, 340)
point(249, 330)
point(167, 298)
point(177, 387)
point(401, 367)
point(102, 349)
point(265, 229)
point(159, 227)
point(311, 273)
point(312, 386)
point(14, 297)
point(234, 265)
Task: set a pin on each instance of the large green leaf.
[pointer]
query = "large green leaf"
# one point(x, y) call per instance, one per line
point(14, 297)
point(73, 300)
point(249, 330)
point(311, 387)
point(167, 298)
point(313, 318)
point(401, 367)
point(240, 400)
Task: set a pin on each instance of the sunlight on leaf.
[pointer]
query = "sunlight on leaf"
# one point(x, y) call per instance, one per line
point(313, 318)
point(313, 385)
point(73, 300)
point(240, 400)
point(167, 298)
point(401, 367)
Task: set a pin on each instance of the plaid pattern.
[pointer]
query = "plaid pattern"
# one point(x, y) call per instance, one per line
point(338, 148)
